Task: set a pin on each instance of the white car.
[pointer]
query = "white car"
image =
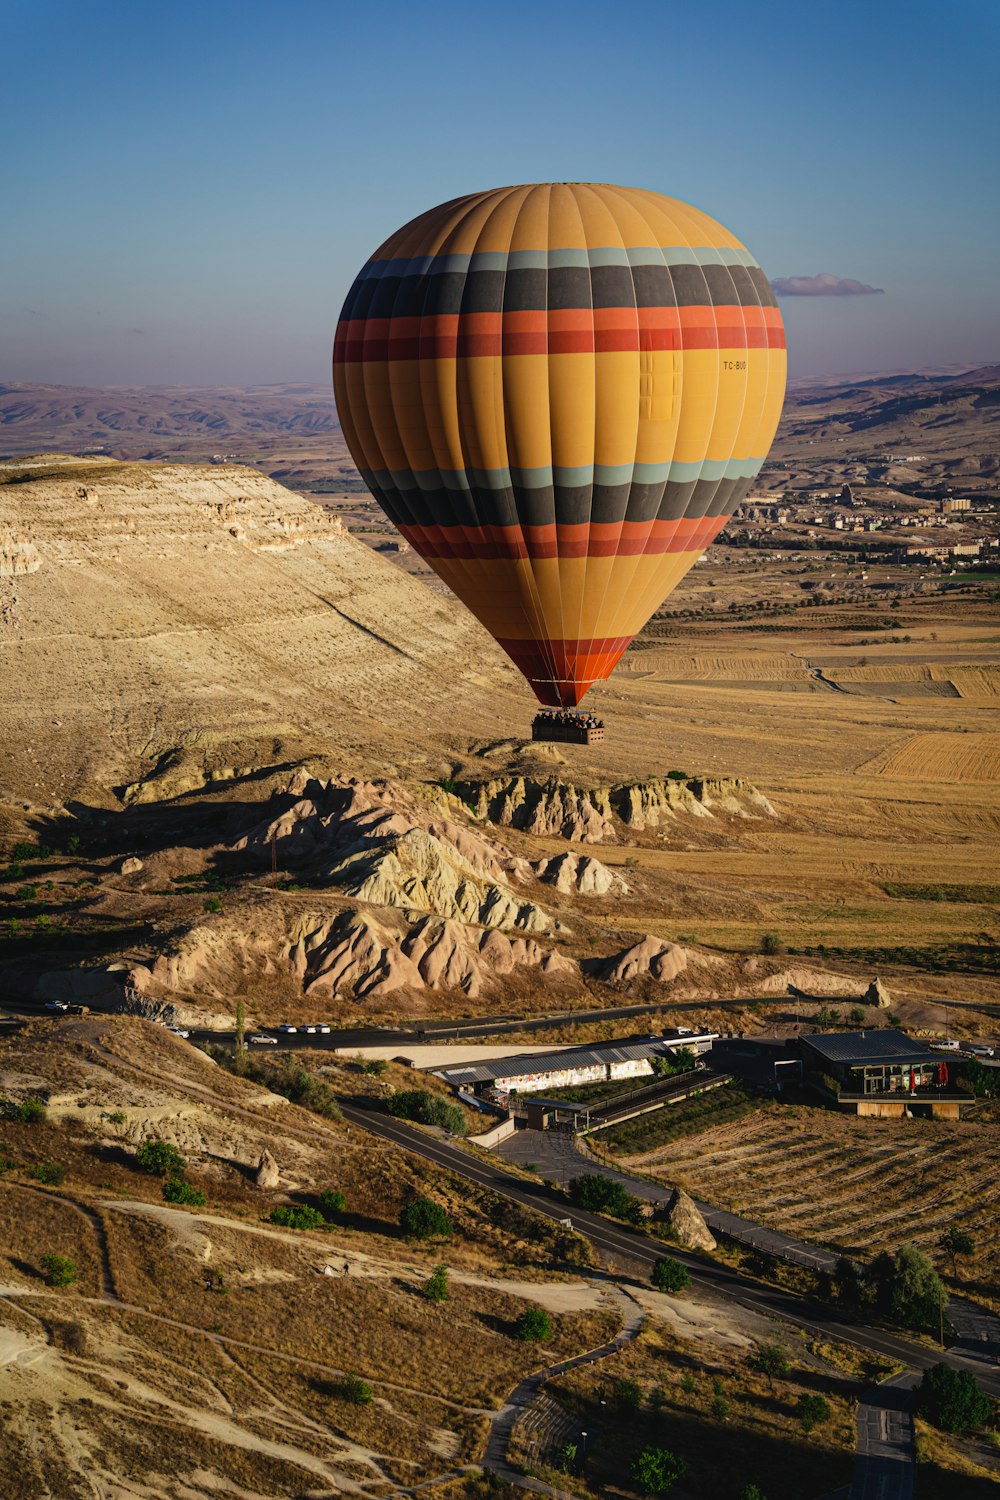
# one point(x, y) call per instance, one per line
point(264, 1041)
point(310, 1029)
point(287, 1029)
point(324, 1029)
point(980, 1049)
point(178, 1031)
point(60, 1005)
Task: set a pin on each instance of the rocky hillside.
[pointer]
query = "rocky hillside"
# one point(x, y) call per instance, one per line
point(163, 624)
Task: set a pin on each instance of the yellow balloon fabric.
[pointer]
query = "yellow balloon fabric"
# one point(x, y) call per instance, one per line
point(559, 393)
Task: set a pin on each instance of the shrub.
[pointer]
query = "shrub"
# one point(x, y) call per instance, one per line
point(300, 1216)
point(669, 1275)
point(423, 1219)
point(534, 1326)
point(212, 904)
point(176, 1190)
point(52, 1173)
point(772, 1361)
point(771, 943)
point(688, 1383)
point(294, 1082)
point(23, 850)
point(331, 1203)
point(812, 1409)
point(436, 1288)
point(29, 1111)
point(719, 1408)
point(752, 1492)
point(59, 1270)
point(627, 1395)
point(952, 1400)
point(426, 1109)
point(602, 1195)
point(355, 1390)
point(657, 1470)
point(160, 1159)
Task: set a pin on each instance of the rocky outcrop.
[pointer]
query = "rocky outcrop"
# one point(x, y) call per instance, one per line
point(131, 866)
point(578, 873)
point(18, 555)
point(596, 815)
point(687, 1224)
point(877, 994)
point(379, 843)
point(651, 956)
point(267, 1174)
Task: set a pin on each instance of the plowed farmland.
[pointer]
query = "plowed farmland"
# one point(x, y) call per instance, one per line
point(944, 755)
point(857, 1186)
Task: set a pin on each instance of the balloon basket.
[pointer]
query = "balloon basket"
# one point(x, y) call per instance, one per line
point(561, 726)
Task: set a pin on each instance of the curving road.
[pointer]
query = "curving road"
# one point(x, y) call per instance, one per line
point(618, 1244)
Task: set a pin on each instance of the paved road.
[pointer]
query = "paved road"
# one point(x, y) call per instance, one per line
point(885, 1460)
point(559, 1158)
point(621, 1244)
point(487, 1026)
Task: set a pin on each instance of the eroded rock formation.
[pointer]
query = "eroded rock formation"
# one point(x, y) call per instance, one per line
point(595, 815)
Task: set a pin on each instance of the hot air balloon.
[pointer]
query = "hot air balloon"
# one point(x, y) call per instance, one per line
point(559, 393)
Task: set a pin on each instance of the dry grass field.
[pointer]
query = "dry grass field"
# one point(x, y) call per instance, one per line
point(856, 1186)
point(205, 1348)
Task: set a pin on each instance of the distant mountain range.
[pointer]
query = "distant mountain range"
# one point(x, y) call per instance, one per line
point(949, 419)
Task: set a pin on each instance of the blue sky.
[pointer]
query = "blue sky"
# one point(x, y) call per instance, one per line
point(192, 186)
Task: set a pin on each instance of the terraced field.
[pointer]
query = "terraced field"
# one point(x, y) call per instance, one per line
point(858, 1186)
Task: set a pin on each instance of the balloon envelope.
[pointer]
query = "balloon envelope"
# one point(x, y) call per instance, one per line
point(559, 393)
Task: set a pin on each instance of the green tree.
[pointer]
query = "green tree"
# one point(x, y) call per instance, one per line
point(812, 1409)
point(907, 1288)
point(657, 1470)
point(160, 1159)
point(955, 1242)
point(771, 943)
point(436, 1287)
point(598, 1194)
point(752, 1492)
point(567, 1457)
point(355, 1390)
point(297, 1216)
point(952, 1400)
point(772, 1361)
point(176, 1190)
point(59, 1270)
point(427, 1109)
point(423, 1219)
point(331, 1202)
point(669, 1275)
point(534, 1326)
point(849, 1283)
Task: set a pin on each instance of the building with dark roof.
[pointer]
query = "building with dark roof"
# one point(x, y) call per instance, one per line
point(884, 1073)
